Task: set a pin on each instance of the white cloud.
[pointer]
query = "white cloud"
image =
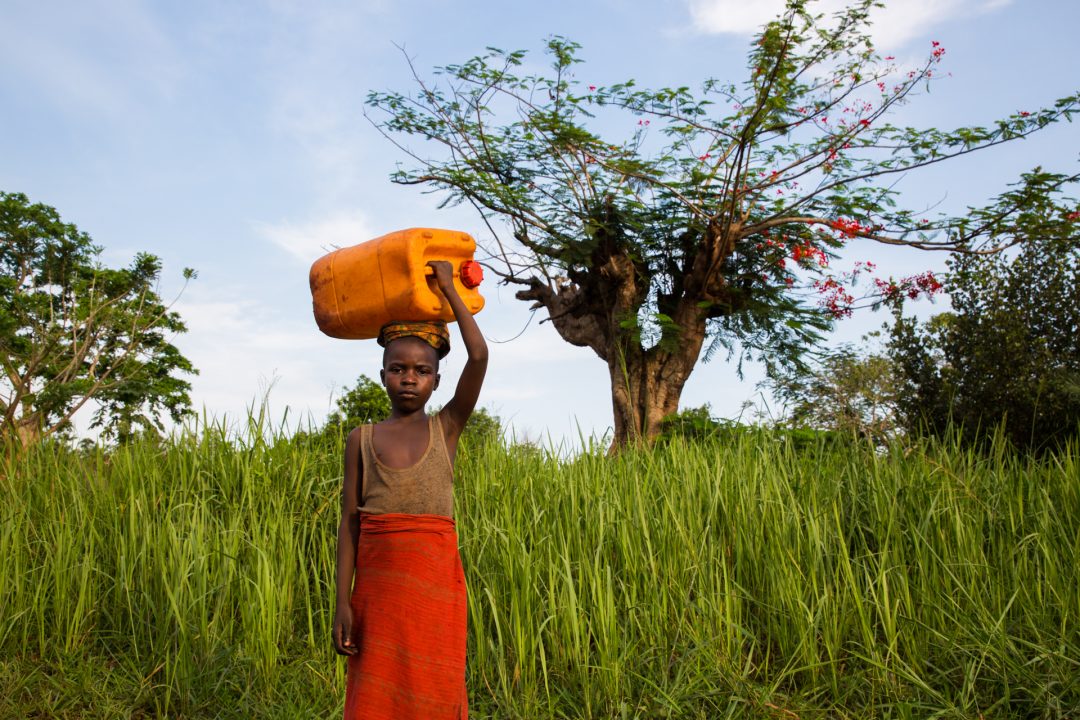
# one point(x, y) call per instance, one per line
point(895, 24)
point(308, 241)
point(733, 16)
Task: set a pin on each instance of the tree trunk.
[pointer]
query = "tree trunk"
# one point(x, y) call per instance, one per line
point(28, 430)
point(598, 305)
point(646, 385)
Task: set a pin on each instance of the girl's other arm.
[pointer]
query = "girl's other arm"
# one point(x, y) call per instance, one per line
point(457, 411)
point(348, 536)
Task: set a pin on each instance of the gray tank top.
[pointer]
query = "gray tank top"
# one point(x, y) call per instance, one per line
point(426, 488)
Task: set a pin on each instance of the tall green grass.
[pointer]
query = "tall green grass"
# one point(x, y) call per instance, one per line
point(737, 578)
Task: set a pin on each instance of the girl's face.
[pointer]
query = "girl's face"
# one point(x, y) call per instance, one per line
point(410, 373)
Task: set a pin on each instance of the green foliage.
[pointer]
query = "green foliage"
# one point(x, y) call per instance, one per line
point(72, 330)
point(925, 402)
point(716, 579)
point(696, 425)
point(1008, 357)
point(483, 427)
point(843, 390)
point(693, 424)
point(366, 402)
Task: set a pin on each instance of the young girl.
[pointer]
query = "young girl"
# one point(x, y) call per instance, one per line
point(402, 621)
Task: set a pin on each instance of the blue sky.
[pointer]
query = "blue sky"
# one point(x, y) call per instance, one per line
point(230, 137)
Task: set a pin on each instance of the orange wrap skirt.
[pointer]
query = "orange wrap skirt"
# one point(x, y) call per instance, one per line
point(409, 621)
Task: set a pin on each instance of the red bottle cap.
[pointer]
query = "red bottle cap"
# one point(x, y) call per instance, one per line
point(471, 273)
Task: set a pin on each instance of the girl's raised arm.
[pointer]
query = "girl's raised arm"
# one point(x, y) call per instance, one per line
point(456, 412)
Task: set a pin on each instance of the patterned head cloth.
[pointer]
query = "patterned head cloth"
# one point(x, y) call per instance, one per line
point(434, 333)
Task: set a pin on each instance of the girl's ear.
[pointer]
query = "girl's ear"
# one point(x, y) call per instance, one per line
point(437, 378)
point(382, 377)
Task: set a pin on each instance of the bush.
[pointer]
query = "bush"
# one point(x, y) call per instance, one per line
point(1008, 357)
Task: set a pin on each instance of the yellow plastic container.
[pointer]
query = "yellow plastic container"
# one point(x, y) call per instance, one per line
point(356, 290)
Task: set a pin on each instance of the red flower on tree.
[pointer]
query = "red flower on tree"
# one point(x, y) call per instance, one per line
point(836, 300)
point(808, 251)
point(911, 287)
point(848, 228)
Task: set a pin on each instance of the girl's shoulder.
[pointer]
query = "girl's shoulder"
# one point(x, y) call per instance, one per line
point(352, 440)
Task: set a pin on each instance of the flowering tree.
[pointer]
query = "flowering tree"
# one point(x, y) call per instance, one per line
point(709, 223)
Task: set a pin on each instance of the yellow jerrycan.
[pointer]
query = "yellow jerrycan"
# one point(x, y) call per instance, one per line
point(358, 289)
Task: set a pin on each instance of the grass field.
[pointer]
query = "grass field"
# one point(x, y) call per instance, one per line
point(741, 578)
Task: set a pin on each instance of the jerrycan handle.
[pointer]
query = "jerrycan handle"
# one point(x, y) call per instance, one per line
point(470, 272)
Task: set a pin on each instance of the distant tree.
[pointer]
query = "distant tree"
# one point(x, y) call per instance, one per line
point(844, 389)
point(702, 220)
point(73, 330)
point(698, 424)
point(483, 427)
point(1008, 355)
point(923, 399)
point(366, 402)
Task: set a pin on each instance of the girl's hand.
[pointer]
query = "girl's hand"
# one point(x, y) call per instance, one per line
point(444, 275)
point(343, 621)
